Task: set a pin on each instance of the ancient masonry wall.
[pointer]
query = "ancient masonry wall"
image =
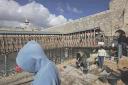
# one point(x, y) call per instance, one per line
point(109, 21)
point(126, 18)
point(106, 20)
point(121, 5)
point(117, 4)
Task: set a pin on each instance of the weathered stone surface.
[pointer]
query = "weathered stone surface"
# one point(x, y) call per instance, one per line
point(108, 21)
point(117, 4)
point(73, 76)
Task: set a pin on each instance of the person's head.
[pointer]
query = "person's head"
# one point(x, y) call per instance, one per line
point(101, 47)
point(31, 57)
point(120, 33)
point(81, 53)
point(117, 34)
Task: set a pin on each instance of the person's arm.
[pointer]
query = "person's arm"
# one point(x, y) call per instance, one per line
point(98, 52)
point(105, 53)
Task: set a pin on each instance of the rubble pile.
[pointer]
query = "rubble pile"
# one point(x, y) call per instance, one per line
point(119, 69)
point(70, 75)
point(122, 63)
point(73, 76)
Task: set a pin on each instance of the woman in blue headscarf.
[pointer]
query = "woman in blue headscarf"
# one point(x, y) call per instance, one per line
point(31, 58)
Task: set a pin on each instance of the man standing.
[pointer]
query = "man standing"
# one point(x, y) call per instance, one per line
point(101, 54)
point(122, 43)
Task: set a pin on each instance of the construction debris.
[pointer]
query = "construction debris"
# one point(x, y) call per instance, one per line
point(70, 75)
point(123, 63)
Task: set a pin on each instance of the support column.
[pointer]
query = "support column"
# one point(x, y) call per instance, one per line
point(5, 65)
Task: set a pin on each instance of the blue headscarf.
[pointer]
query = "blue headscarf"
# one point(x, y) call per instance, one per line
point(31, 58)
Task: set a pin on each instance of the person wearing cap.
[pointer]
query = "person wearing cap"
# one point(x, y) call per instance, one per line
point(31, 58)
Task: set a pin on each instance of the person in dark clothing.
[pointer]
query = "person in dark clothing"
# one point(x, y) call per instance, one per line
point(78, 59)
point(122, 43)
point(81, 61)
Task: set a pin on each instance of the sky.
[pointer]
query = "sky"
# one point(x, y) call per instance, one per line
point(47, 13)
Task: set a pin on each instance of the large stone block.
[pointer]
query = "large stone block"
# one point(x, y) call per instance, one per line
point(117, 4)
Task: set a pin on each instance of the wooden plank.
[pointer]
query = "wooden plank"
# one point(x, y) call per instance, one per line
point(123, 63)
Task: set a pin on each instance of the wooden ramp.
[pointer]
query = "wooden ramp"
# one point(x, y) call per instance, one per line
point(120, 70)
point(122, 64)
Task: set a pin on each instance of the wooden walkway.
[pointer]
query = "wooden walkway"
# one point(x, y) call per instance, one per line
point(13, 41)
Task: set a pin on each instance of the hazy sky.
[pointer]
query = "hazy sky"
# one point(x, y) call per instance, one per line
point(47, 13)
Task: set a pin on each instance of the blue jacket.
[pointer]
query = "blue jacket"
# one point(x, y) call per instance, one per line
point(31, 58)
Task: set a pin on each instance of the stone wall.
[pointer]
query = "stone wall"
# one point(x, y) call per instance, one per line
point(117, 4)
point(109, 21)
point(106, 20)
point(126, 18)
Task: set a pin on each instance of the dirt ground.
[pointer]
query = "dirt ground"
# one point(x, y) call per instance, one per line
point(69, 75)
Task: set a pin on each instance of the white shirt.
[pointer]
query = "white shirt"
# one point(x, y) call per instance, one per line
point(100, 43)
point(102, 52)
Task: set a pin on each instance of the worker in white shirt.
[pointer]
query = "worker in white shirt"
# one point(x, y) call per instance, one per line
point(101, 54)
